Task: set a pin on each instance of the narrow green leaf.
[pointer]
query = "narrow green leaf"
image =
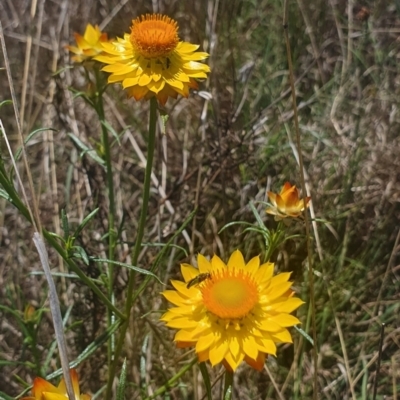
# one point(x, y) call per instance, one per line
point(121, 264)
point(206, 378)
point(29, 137)
point(87, 150)
point(81, 253)
point(85, 221)
point(142, 366)
point(164, 119)
point(235, 223)
point(5, 102)
point(228, 385)
point(5, 195)
point(257, 216)
point(64, 221)
point(111, 130)
point(304, 334)
point(122, 382)
point(4, 396)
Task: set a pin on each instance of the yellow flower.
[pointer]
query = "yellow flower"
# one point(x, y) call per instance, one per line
point(151, 61)
point(286, 203)
point(88, 45)
point(43, 390)
point(231, 312)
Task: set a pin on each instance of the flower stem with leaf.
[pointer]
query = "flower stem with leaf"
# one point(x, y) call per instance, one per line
point(138, 242)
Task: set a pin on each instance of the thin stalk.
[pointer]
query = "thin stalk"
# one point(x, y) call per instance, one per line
point(85, 279)
point(111, 210)
point(138, 243)
point(274, 241)
point(228, 385)
point(304, 190)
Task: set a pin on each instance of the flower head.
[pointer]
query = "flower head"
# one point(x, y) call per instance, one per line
point(43, 390)
point(231, 312)
point(151, 61)
point(286, 203)
point(88, 45)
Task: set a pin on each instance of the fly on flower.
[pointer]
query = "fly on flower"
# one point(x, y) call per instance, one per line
point(150, 61)
point(198, 279)
point(43, 390)
point(287, 203)
point(238, 313)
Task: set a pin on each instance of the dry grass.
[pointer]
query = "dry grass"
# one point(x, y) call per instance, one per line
point(217, 155)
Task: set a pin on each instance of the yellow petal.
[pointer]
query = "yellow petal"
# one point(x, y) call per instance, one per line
point(269, 325)
point(196, 74)
point(186, 47)
point(236, 260)
point(278, 290)
point(234, 362)
point(280, 278)
point(289, 305)
point(204, 342)
point(120, 69)
point(198, 56)
point(174, 82)
point(189, 272)
point(250, 347)
point(234, 346)
point(217, 264)
point(128, 82)
point(264, 273)
point(266, 346)
point(52, 396)
point(253, 265)
point(91, 34)
point(180, 287)
point(183, 336)
point(218, 352)
point(173, 297)
point(144, 80)
point(195, 66)
point(283, 336)
point(138, 92)
point(284, 320)
point(203, 264)
point(182, 323)
point(156, 87)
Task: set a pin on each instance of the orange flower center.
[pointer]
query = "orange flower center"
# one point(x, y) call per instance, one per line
point(230, 294)
point(154, 35)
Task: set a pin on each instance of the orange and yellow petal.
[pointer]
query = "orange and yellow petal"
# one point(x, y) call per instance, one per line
point(287, 203)
point(238, 312)
point(152, 62)
point(89, 45)
point(43, 390)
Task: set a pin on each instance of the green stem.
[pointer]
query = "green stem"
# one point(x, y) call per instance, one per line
point(85, 279)
point(138, 243)
point(272, 242)
point(16, 201)
point(111, 211)
point(228, 385)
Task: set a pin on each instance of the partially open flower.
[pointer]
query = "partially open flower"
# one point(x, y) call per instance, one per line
point(43, 390)
point(151, 61)
point(88, 45)
point(231, 312)
point(287, 203)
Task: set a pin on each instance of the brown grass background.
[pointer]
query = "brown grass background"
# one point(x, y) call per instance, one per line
point(218, 155)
